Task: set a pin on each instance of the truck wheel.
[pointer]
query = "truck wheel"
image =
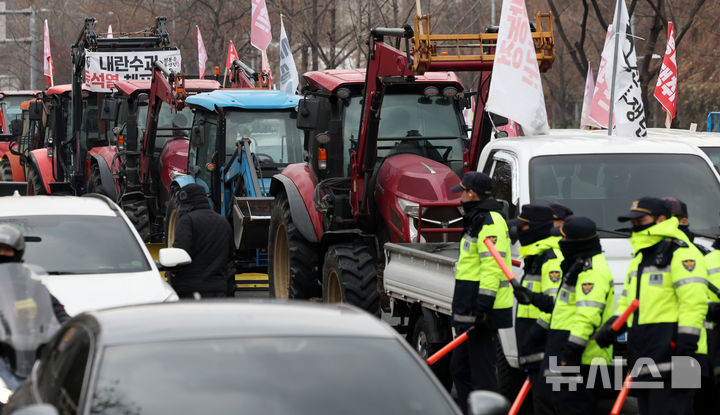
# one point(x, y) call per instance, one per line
point(293, 262)
point(5, 171)
point(349, 276)
point(35, 184)
point(510, 379)
point(139, 215)
point(419, 341)
point(171, 219)
point(95, 182)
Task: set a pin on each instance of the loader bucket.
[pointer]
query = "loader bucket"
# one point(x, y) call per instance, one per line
point(251, 219)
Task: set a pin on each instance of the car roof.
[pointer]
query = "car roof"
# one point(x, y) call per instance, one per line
point(697, 138)
point(187, 320)
point(133, 86)
point(244, 99)
point(55, 205)
point(576, 141)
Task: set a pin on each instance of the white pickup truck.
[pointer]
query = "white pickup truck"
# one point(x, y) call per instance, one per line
point(593, 174)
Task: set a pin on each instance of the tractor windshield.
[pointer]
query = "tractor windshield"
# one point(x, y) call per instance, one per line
point(412, 123)
point(11, 106)
point(171, 123)
point(274, 137)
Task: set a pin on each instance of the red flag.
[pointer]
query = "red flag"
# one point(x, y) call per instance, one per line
point(48, 68)
point(202, 53)
point(600, 105)
point(231, 55)
point(260, 35)
point(666, 88)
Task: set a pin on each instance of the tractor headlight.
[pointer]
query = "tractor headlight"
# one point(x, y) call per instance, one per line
point(411, 209)
point(5, 392)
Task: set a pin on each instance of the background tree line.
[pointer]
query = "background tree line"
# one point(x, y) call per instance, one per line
point(333, 34)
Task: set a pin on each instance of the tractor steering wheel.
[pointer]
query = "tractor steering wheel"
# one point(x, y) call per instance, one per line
point(267, 158)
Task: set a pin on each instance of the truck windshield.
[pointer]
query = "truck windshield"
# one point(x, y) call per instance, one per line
point(274, 137)
point(602, 186)
point(413, 123)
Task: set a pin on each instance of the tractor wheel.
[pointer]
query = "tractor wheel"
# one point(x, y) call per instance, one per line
point(94, 184)
point(419, 340)
point(170, 221)
point(350, 276)
point(5, 171)
point(139, 215)
point(293, 262)
point(35, 184)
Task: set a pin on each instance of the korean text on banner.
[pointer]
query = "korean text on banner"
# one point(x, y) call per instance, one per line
point(260, 35)
point(289, 79)
point(585, 120)
point(666, 88)
point(202, 54)
point(600, 106)
point(516, 89)
point(103, 69)
point(629, 110)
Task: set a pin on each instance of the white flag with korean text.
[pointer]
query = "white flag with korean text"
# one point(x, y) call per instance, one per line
point(289, 78)
point(516, 89)
point(629, 110)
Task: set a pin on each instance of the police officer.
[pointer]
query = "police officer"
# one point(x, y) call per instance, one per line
point(208, 239)
point(560, 212)
point(540, 282)
point(584, 303)
point(482, 298)
point(679, 210)
point(12, 249)
point(668, 276)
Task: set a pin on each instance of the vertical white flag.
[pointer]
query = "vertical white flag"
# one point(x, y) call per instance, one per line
point(109, 33)
point(629, 111)
point(289, 78)
point(202, 54)
point(585, 120)
point(516, 89)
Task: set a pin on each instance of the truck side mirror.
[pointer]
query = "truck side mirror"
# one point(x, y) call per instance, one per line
point(308, 111)
point(110, 109)
point(35, 110)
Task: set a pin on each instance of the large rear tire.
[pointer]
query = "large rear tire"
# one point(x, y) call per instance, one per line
point(293, 262)
point(350, 276)
point(94, 184)
point(5, 171)
point(35, 184)
point(139, 215)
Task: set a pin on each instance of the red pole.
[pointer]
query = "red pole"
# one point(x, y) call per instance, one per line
point(520, 398)
point(617, 325)
point(617, 407)
point(448, 347)
point(503, 266)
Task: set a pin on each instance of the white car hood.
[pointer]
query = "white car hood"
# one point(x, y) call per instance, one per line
point(85, 292)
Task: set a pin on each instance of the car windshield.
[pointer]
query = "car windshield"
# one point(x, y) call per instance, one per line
point(12, 106)
point(269, 376)
point(413, 123)
point(79, 244)
point(274, 137)
point(602, 186)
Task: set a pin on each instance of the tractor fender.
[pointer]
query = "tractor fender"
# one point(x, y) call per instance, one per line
point(310, 229)
point(42, 162)
point(106, 178)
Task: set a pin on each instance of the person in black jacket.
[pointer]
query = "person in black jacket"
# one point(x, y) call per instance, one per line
point(208, 239)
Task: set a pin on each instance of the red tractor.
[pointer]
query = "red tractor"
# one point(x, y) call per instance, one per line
point(152, 141)
point(384, 147)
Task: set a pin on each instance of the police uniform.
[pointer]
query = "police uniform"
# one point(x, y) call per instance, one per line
point(584, 303)
point(712, 261)
point(540, 282)
point(482, 297)
point(668, 276)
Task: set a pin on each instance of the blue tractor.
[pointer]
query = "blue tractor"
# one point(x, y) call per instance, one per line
point(240, 138)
